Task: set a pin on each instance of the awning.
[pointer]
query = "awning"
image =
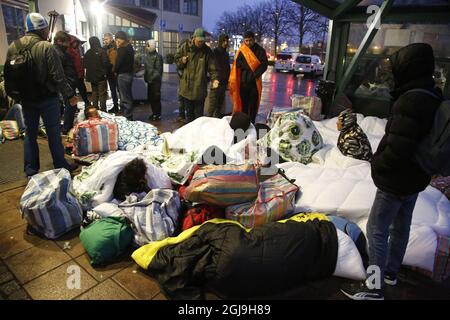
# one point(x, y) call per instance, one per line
point(137, 15)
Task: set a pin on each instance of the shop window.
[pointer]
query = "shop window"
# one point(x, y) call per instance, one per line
point(170, 42)
point(118, 21)
point(14, 22)
point(111, 20)
point(150, 3)
point(125, 23)
point(172, 5)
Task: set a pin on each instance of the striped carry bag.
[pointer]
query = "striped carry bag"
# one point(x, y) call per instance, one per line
point(95, 136)
point(49, 205)
point(276, 200)
point(223, 185)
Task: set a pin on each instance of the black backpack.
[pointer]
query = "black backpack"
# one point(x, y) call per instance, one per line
point(433, 152)
point(19, 72)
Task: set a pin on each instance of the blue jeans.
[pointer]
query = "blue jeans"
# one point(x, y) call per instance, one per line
point(125, 83)
point(15, 113)
point(49, 111)
point(69, 116)
point(388, 230)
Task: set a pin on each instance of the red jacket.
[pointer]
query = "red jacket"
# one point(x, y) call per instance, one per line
point(75, 54)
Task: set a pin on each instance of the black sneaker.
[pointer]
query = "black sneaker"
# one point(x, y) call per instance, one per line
point(360, 291)
point(390, 280)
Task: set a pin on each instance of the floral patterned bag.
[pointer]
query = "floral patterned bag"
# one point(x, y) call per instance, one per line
point(294, 137)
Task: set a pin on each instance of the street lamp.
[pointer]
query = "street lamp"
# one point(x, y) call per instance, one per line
point(97, 10)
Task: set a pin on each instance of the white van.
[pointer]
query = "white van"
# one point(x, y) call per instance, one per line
point(308, 64)
point(284, 62)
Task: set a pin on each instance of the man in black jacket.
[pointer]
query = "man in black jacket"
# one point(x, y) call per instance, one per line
point(97, 68)
point(217, 96)
point(398, 178)
point(248, 82)
point(124, 69)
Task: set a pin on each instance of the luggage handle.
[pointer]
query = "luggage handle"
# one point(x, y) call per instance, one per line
point(282, 173)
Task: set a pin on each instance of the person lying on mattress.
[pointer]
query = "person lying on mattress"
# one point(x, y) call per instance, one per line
point(131, 180)
point(352, 141)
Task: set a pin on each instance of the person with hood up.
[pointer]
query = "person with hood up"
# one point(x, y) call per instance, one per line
point(397, 177)
point(352, 141)
point(153, 76)
point(97, 68)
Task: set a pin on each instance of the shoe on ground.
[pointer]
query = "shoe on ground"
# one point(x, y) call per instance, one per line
point(154, 118)
point(390, 280)
point(360, 291)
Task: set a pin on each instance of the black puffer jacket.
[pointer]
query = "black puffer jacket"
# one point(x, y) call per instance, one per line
point(411, 118)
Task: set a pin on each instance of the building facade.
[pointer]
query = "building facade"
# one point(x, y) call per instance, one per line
point(166, 21)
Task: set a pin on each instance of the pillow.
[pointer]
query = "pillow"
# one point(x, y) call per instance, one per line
point(349, 263)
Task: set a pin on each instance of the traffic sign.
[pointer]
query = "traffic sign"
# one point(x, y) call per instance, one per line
point(162, 24)
point(180, 27)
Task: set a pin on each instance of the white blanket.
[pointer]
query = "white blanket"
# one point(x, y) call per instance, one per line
point(335, 184)
point(205, 132)
point(95, 184)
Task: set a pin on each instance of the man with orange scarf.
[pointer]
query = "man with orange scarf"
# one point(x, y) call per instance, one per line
point(245, 79)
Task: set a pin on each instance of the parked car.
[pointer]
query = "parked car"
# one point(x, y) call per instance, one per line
point(307, 64)
point(284, 62)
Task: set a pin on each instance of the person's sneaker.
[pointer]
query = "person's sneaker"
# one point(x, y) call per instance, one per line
point(390, 280)
point(154, 118)
point(360, 291)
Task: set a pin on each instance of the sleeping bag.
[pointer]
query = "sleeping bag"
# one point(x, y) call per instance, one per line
point(232, 261)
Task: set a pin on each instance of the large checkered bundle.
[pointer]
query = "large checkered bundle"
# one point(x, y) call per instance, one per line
point(95, 136)
point(223, 185)
point(48, 204)
point(155, 217)
point(276, 200)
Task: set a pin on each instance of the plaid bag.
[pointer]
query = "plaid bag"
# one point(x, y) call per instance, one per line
point(276, 200)
point(10, 129)
point(155, 217)
point(311, 105)
point(223, 185)
point(95, 136)
point(48, 204)
point(441, 271)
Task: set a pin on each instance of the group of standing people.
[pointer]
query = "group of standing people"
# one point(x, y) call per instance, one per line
point(197, 64)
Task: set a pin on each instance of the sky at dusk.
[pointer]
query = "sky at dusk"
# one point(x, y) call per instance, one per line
point(213, 9)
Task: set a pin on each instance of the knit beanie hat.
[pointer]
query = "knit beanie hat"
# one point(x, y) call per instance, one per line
point(35, 21)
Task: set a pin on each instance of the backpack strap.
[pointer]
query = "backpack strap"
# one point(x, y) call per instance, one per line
point(425, 91)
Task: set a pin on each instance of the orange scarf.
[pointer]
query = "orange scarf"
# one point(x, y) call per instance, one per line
point(235, 78)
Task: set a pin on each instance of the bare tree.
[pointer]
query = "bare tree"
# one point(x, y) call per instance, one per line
point(304, 21)
point(277, 12)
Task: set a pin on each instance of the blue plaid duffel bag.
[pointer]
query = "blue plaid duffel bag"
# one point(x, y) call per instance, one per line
point(49, 205)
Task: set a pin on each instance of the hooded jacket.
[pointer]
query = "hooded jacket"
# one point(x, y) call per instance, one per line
point(96, 62)
point(194, 81)
point(67, 64)
point(410, 120)
point(77, 60)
